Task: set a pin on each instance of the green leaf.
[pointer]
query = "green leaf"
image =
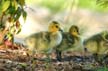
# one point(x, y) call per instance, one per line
point(24, 15)
point(5, 5)
point(17, 14)
point(16, 17)
point(9, 36)
point(12, 10)
point(19, 30)
point(12, 29)
point(14, 3)
point(21, 2)
point(0, 11)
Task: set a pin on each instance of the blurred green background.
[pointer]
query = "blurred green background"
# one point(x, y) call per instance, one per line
point(58, 5)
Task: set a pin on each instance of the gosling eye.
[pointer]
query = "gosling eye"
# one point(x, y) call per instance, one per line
point(74, 30)
point(56, 26)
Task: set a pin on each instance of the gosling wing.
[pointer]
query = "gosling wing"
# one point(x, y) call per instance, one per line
point(38, 41)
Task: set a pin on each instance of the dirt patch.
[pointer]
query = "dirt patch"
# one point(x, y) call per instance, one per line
point(18, 60)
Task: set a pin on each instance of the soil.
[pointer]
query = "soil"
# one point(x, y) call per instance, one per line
point(17, 59)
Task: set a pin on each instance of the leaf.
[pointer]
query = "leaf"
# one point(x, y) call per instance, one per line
point(24, 15)
point(0, 11)
point(12, 10)
point(5, 5)
point(16, 17)
point(18, 27)
point(14, 3)
point(19, 30)
point(8, 36)
point(18, 14)
point(12, 29)
point(17, 24)
point(21, 2)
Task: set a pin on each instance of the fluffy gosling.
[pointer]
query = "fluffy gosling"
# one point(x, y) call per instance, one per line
point(70, 42)
point(44, 42)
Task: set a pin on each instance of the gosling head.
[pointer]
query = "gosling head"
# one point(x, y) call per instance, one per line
point(74, 30)
point(105, 35)
point(54, 27)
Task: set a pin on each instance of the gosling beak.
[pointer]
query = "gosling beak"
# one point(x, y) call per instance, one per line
point(78, 33)
point(60, 30)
